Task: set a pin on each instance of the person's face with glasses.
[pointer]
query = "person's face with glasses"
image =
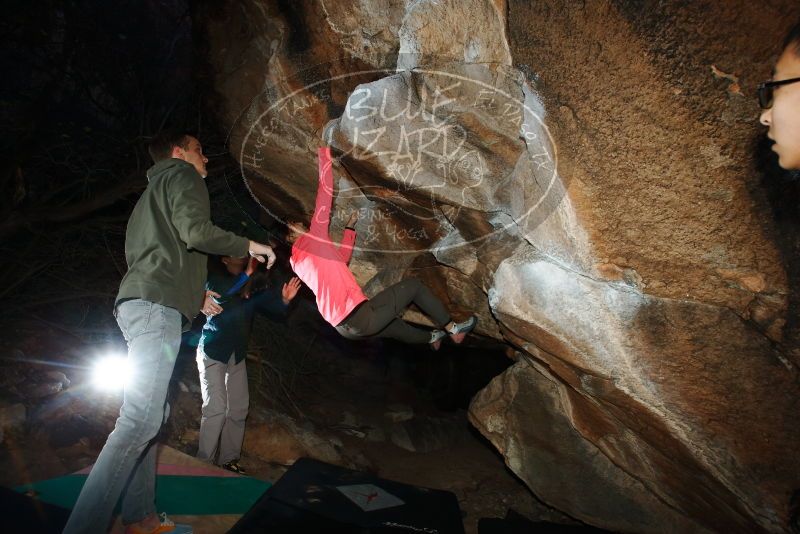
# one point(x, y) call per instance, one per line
point(780, 99)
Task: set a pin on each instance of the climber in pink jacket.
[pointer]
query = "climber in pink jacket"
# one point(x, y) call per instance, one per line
point(322, 266)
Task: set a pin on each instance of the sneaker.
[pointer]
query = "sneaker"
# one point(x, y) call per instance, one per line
point(165, 525)
point(460, 330)
point(234, 466)
point(436, 338)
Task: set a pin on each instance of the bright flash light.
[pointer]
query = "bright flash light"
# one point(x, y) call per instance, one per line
point(110, 372)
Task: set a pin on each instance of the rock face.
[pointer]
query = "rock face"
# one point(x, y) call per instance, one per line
point(582, 176)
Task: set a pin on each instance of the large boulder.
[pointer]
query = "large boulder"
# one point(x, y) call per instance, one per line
point(583, 176)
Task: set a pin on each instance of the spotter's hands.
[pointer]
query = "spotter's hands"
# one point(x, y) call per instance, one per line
point(210, 307)
point(259, 252)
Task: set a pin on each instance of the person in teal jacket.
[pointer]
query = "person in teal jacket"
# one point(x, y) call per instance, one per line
point(221, 365)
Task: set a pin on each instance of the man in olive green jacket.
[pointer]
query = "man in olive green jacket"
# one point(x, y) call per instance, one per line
point(169, 234)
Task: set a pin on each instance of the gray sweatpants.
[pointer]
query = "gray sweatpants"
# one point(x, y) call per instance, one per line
point(380, 315)
point(225, 404)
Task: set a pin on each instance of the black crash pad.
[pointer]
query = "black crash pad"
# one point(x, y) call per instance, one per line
point(317, 497)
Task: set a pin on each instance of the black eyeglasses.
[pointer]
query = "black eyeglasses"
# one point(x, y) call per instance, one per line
point(766, 89)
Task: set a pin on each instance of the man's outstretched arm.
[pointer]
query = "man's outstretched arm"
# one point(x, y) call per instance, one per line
point(190, 212)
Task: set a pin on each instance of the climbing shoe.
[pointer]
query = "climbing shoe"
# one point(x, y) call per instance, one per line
point(460, 330)
point(235, 467)
point(165, 525)
point(436, 338)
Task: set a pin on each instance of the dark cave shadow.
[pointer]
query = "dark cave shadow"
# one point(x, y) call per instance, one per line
point(782, 191)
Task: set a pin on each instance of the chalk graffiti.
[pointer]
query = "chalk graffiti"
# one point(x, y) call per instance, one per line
point(429, 134)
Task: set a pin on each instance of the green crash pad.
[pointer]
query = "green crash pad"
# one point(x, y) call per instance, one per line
point(175, 494)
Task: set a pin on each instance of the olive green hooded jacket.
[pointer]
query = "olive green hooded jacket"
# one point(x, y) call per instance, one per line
point(168, 237)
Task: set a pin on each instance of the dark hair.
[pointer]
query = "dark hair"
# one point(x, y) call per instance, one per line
point(161, 145)
point(793, 39)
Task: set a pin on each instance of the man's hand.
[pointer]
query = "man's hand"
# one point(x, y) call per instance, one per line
point(258, 251)
point(211, 308)
point(351, 222)
point(290, 290)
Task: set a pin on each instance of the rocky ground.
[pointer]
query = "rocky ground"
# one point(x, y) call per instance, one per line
point(401, 418)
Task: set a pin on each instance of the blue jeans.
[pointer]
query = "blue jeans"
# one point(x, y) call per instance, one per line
point(127, 462)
